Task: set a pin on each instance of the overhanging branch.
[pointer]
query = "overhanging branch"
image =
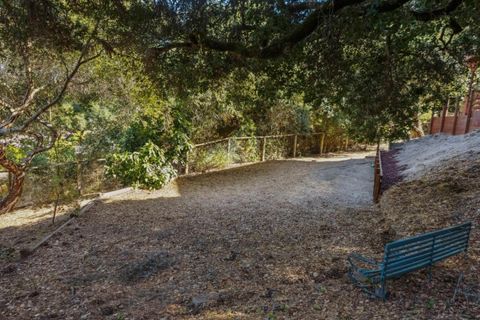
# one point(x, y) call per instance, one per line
point(6, 130)
point(274, 49)
point(434, 14)
point(319, 9)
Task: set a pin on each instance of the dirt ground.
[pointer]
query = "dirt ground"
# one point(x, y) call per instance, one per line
point(263, 241)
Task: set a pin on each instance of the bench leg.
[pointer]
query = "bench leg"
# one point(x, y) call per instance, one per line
point(457, 287)
point(382, 291)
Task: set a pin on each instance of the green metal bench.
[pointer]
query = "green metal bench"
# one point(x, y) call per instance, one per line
point(407, 255)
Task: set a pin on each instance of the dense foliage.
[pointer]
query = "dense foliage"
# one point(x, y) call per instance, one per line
point(147, 168)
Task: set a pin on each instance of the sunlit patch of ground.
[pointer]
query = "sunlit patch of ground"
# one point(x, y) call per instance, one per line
point(27, 216)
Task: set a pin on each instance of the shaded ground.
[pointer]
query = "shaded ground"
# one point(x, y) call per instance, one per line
point(391, 169)
point(265, 241)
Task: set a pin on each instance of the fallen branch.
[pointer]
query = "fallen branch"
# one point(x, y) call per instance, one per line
point(25, 252)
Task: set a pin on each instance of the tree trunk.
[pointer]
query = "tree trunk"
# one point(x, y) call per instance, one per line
point(17, 173)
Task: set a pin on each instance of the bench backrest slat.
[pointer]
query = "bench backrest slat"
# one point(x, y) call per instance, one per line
point(427, 248)
point(418, 252)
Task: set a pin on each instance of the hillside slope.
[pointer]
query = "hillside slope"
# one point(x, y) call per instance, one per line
point(441, 188)
point(417, 157)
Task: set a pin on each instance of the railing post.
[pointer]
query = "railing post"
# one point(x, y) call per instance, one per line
point(264, 144)
point(470, 99)
point(455, 119)
point(294, 146)
point(430, 130)
point(444, 114)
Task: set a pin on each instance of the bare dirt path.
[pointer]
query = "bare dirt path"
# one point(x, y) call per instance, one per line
point(309, 183)
point(253, 242)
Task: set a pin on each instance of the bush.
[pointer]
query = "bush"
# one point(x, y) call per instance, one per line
point(206, 159)
point(278, 148)
point(147, 168)
point(245, 150)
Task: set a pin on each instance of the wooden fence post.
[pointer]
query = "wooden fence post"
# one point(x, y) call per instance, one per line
point(229, 148)
point(346, 143)
point(378, 174)
point(322, 140)
point(264, 144)
point(186, 162)
point(294, 146)
point(79, 177)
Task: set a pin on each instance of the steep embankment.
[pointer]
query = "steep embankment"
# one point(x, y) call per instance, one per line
point(440, 188)
point(430, 154)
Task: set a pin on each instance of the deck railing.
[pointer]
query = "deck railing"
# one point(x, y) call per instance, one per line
point(457, 116)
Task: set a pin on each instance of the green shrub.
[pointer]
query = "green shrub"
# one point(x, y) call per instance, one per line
point(278, 148)
point(147, 168)
point(207, 159)
point(246, 150)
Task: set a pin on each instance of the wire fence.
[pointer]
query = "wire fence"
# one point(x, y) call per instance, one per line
point(234, 150)
point(86, 178)
point(65, 181)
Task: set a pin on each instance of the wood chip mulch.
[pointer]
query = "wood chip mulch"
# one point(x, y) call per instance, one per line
point(267, 241)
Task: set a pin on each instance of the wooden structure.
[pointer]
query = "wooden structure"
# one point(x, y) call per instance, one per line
point(378, 176)
point(407, 255)
point(457, 117)
point(466, 118)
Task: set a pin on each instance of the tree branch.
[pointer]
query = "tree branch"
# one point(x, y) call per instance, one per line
point(431, 15)
point(302, 6)
point(173, 45)
point(17, 112)
point(274, 49)
point(81, 60)
point(301, 31)
point(39, 148)
point(388, 5)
